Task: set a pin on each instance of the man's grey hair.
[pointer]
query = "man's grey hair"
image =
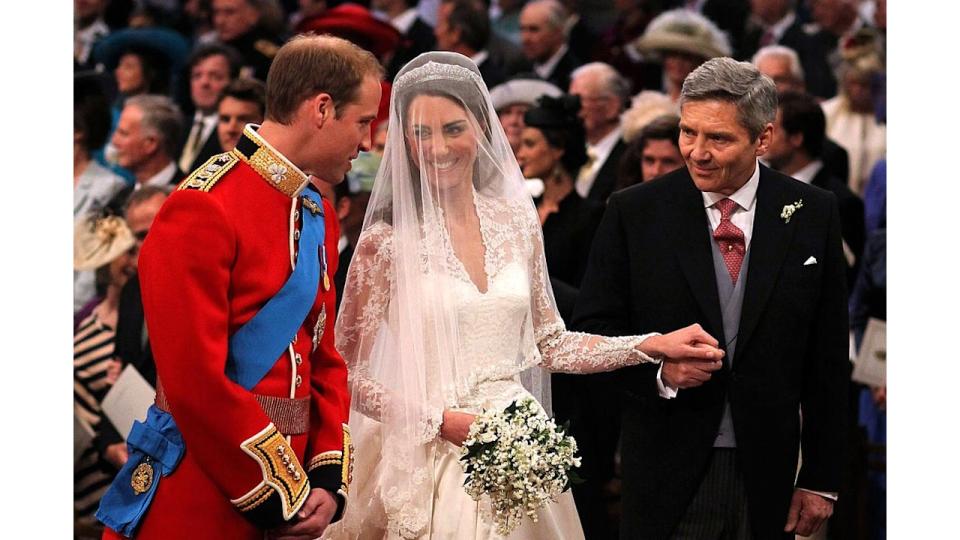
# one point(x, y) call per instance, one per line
point(162, 118)
point(610, 80)
point(740, 83)
point(796, 69)
point(556, 14)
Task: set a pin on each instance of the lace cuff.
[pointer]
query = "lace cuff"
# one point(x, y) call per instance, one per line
point(576, 352)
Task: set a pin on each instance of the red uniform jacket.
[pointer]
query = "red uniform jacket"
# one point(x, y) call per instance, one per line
point(220, 248)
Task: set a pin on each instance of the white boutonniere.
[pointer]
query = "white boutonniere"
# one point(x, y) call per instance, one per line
point(789, 209)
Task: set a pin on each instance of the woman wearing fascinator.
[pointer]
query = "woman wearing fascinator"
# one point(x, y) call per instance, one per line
point(448, 311)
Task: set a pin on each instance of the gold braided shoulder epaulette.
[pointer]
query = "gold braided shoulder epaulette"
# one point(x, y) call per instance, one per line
point(207, 175)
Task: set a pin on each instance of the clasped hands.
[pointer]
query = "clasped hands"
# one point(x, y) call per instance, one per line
point(690, 356)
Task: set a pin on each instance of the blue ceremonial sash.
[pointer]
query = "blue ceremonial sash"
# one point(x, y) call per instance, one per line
point(156, 444)
point(254, 348)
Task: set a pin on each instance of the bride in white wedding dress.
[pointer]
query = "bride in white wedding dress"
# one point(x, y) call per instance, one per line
point(448, 311)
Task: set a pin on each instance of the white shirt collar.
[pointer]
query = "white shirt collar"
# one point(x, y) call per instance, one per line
point(603, 148)
point(405, 20)
point(480, 57)
point(807, 173)
point(545, 69)
point(162, 178)
point(779, 27)
point(745, 197)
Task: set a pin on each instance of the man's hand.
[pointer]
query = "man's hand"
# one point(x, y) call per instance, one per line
point(687, 344)
point(456, 426)
point(116, 454)
point(807, 513)
point(688, 374)
point(311, 520)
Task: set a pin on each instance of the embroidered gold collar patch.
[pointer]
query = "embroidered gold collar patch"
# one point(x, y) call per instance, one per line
point(275, 169)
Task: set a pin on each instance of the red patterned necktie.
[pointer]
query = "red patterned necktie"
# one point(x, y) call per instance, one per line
point(730, 238)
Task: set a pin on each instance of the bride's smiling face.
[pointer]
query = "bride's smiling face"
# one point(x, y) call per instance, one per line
point(442, 140)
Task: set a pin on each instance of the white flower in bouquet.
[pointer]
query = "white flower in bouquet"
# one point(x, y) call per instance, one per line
point(520, 459)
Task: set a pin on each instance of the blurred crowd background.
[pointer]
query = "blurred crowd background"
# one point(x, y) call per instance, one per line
point(586, 91)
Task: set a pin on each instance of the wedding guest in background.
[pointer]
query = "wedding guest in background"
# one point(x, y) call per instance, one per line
point(211, 68)
point(102, 244)
point(247, 26)
point(682, 40)
point(543, 37)
point(146, 140)
point(604, 95)
point(655, 152)
point(513, 98)
point(416, 34)
point(795, 150)
point(851, 115)
point(242, 102)
point(783, 66)
point(645, 107)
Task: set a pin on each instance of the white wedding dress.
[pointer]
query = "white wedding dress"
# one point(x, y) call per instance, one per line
point(491, 337)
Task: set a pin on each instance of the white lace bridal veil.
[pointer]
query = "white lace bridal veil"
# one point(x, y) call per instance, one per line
point(411, 348)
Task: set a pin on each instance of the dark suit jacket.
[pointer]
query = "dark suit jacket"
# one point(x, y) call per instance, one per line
point(835, 158)
point(209, 148)
point(606, 179)
point(419, 39)
point(651, 269)
point(340, 278)
point(560, 76)
point(507, 56)
point(813, 53)
point(852, 224)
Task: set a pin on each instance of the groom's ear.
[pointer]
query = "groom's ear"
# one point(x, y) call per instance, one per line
point(322, 108)
point(763, 140)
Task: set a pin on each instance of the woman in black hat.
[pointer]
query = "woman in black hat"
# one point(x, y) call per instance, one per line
point(553, 149)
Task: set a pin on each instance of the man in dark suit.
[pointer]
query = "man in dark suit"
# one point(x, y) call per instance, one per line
point(543, 38)
point(211, 67)
point(146, 140)
point(775, 22)
point(755, 258)
point(416, 35)
point(782, 64)
point(796, 149)
point(463, 26)
point(604, 95)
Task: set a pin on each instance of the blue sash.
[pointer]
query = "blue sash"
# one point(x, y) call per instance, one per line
point(156, 444)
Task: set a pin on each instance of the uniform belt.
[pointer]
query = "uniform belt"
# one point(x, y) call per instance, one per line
point(290, 415)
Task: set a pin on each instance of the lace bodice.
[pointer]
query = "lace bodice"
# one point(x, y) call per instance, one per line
point(511, 326)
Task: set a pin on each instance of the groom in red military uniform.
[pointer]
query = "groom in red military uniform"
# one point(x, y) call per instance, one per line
point(248, 434)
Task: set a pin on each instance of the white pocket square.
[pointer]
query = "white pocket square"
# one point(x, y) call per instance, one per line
point(811, 260)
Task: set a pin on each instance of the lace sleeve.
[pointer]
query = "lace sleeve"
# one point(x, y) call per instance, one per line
point(361, 322)
point(574, 352)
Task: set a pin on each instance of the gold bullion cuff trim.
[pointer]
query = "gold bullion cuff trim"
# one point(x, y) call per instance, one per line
point(253, 499)
point(333, 457)
point(208, 174)
point(276, 170)
point(347, 466)
point(281, 469)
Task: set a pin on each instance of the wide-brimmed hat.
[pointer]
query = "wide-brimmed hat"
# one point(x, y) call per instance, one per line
point(98, 240)
point(522, 90)
point(683, 31)
point(167, 45)
point(355, 23)
point(645, 107)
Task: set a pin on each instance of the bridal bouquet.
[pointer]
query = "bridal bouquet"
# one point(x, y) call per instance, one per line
point(521, 459)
